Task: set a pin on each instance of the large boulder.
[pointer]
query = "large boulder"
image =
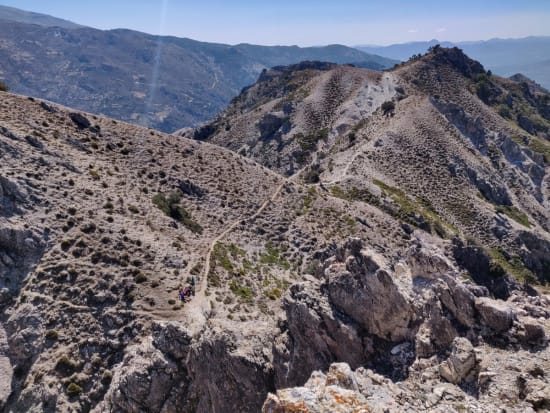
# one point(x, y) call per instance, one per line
point(337, 392)
point(367, 293)
point(494, 314)
point(456, 298)
point(460, 363)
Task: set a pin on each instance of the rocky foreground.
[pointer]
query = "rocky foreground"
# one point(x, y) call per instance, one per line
point(368, 242)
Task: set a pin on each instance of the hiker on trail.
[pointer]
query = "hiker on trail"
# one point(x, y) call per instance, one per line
point(182, 295)
point(192, 282)
point(187, 293)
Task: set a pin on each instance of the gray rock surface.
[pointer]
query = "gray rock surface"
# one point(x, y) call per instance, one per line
point(495, 314)
point(6, 370)
point(460, 362)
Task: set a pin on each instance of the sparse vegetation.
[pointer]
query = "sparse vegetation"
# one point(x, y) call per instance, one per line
point(273, 293)
point(514, 213)
point(51, 335)
point(133, 209)
point(387, 107)
point(241, 291)
point(171, 206)
point(73, 389)
point(309, 142)
point(65, 365)
point(272, 256)
point(419, 213)
point(514, 266)
point(140, 278)
point(94, 174)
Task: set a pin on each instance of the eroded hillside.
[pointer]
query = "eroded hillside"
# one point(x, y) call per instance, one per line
point(337, 269)
point(437, 142)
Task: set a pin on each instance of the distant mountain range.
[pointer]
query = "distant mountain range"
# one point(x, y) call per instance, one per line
point(505, 57)
point(163, 82)
point(23, 16)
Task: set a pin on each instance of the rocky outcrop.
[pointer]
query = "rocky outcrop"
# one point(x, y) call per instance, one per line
point(335, 392)
point(316, 335)
point(147, 380)
point(364, 291)
point(20, 249)
point(460, 363)
point(231, 370)
point(12, 197)
point(496, 315)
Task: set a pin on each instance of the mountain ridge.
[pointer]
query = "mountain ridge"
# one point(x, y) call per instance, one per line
point(505, 57)
point(23, 16)
point(159, 81)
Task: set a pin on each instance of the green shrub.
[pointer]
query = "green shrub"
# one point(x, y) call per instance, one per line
point(107, 377)
point(171, 207)
point(133, 209)
point(52, 335)
point(274, 293)
point(241, 291)
point(3, 86)
point(65, 365)
point(387, 107)
point(514, 213)
point(140, 278)
point(73, 389)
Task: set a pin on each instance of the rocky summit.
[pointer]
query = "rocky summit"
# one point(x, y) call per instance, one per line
point(359, 241)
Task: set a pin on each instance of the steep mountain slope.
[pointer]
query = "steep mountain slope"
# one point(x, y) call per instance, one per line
point(504, 57)
point(443, 159)
point(164, 82)
point(22, 16)
point(102, 222)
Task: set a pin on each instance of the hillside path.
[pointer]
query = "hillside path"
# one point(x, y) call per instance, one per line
point(198, 309)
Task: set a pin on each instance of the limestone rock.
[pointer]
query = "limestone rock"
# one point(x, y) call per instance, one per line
point(338, 393)
point(370, 297)
point(495, 314)
point(318, 336)
point(461, 361)
point(531, 330)
point(172, 339)
point(146, 381)
point(458, 300)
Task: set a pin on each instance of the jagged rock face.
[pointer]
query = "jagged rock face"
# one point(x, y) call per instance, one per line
point(444, 313)
point(371, 299)
point(317, 335)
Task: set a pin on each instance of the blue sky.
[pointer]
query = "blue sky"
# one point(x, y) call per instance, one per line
point(308, 22)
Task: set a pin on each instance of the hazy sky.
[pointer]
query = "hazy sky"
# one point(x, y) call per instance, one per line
point(308, 22)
